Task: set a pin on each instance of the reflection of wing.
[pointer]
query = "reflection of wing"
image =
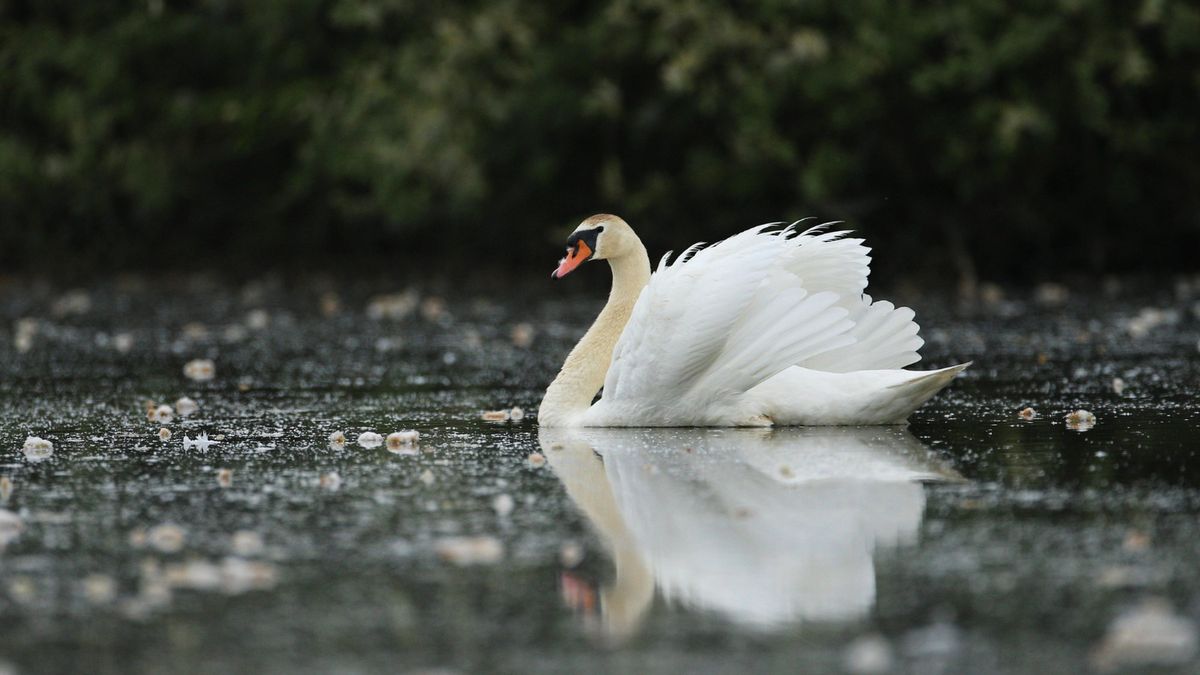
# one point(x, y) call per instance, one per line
point(856, 454)
point(762, 526)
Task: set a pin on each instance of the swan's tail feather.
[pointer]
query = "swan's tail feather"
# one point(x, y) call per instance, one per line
point(911, 394)
point(935, 378)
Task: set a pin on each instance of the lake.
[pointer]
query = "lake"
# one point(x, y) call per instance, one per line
point(974, 540)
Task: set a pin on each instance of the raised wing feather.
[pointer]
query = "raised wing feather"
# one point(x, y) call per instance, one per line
point(711, 326)
point(685, 314)
point(884, 336)
point(830, 261)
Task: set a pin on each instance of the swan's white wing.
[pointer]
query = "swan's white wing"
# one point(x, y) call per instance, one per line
point(885, 336)
point(719, 321)
point(830, 261)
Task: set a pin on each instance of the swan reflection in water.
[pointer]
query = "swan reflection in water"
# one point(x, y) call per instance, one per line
point(765, 527)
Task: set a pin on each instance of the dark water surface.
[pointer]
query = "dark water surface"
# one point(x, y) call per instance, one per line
point(972, 541)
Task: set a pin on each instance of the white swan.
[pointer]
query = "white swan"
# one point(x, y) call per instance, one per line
point(768, 327)
point(766, 527)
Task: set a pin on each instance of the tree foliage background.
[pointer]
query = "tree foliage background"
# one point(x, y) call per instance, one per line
point(993, 138)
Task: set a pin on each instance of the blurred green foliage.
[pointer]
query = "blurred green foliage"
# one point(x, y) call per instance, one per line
point(1004, 139)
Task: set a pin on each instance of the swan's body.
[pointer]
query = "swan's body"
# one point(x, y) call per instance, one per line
point(768, 327)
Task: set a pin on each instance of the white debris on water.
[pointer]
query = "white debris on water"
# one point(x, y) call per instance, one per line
point(1118, 386)
point(936, 641)
point(1051, 294)
point(200, 443)
point(6, 488)
point(427, 477)
point(225, 477)
point(337, 440)
point(37, 449)
point(433, 309)
point(1027, 413)
point(234, 332)
point(370, 439)
point(186, 406)
point(22, 589)
point(1136, 541)
point(522, 335)
point(1150, 318)
point(99, 589)
point(868, 655)
point(1151, 634)
point(384, 345)
point(162, 414)
point(330, 481)
point(258, 319)
point(123, 343)
point(400, 441)
point(199, 575)
point(478, 550)
point(11, 527)
point(392, 306)
point(991, 293)
point(514, 414)
point(1080, 420)
point(72, 303)
point(195, 330)
point(164, 434)
point(233, 576)
point(247, 543)
point(24, 332)
point(166, 538)
point(503, 505)
point(329, 304)
point(536, 460)
point(239, 575)
point(200, 370)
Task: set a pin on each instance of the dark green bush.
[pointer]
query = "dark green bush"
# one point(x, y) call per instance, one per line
point(1008, 139)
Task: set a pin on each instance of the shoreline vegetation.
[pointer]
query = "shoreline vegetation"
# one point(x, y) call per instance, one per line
point(970, 141)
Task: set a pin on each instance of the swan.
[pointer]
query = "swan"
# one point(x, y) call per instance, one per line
point(769, 327)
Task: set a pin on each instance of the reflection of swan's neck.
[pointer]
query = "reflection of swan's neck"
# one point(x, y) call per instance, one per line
point(582, 473)
point(583, 373)
point(626, 601)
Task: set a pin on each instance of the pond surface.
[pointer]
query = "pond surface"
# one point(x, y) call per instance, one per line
point(972, 541)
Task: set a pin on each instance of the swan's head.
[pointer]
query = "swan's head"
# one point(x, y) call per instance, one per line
point(601, 237)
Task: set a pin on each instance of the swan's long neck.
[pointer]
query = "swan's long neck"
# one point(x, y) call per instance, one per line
point(583, 373)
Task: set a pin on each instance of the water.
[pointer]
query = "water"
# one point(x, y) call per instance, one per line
point(973, 541)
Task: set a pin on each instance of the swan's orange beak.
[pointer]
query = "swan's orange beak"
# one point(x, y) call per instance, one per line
point(574, 259)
